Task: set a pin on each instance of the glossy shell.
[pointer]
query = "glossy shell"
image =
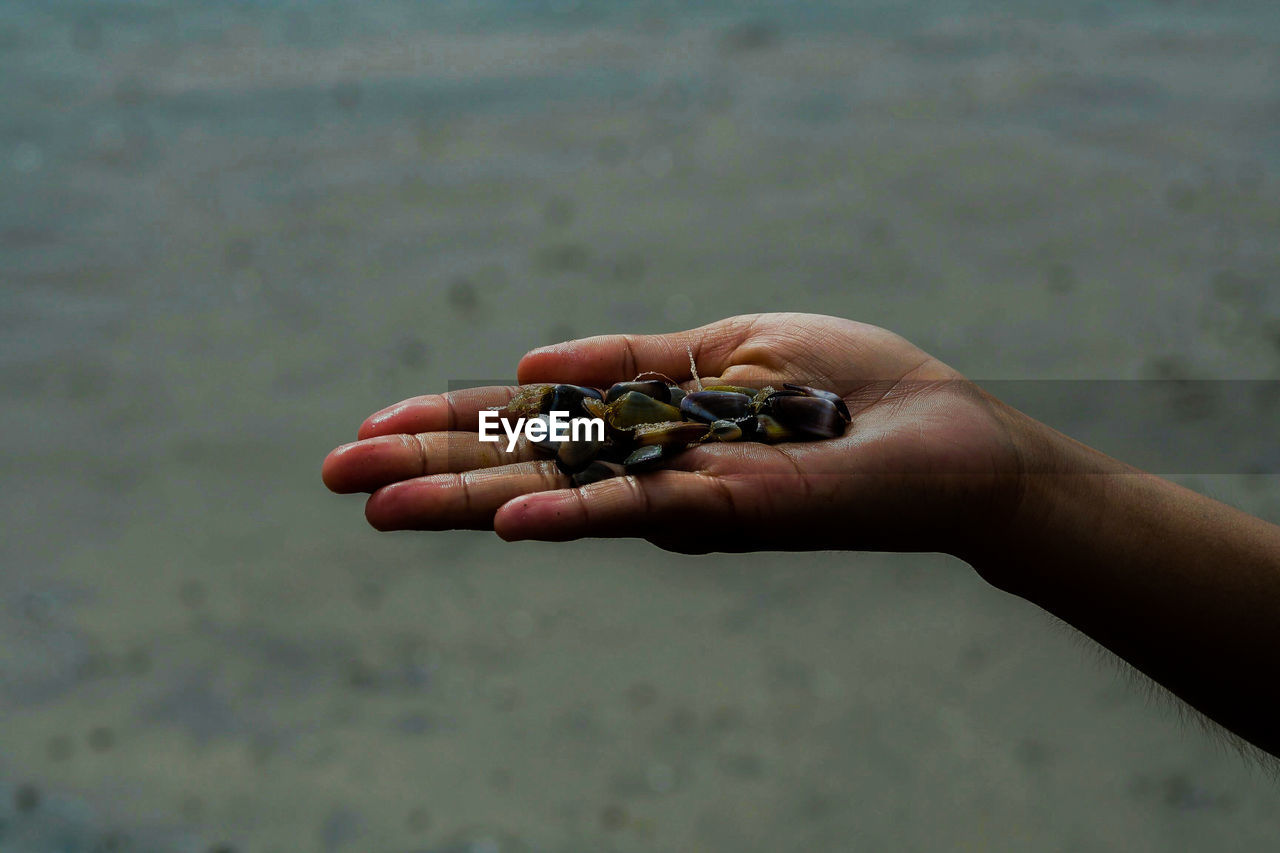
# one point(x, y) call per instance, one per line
point(649, 420)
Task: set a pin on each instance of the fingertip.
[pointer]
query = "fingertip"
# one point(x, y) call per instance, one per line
point(384, 510)
point(379, 423)
point(541, 516)
point(333, 471)
point(414, 415)
point(510, 523)
point(544, 363)
point(362, 466)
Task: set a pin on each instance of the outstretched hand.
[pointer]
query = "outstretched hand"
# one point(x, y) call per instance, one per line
point(924, 465)
point(929, 462)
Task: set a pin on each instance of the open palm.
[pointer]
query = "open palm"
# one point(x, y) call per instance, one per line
point(922, 458)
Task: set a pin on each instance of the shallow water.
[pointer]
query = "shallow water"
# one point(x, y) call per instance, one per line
point(229, 231)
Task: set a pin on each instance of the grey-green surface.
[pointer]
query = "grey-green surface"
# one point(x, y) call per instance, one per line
point(229, 231)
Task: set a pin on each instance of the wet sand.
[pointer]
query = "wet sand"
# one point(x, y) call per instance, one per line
point(226, 237)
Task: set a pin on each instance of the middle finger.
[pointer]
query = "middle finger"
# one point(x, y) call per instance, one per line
point(459, 501)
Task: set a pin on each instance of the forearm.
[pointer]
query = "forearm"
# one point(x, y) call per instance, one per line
point(1183, 587)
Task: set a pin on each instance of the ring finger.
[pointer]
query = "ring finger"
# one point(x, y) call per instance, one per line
point(363, 466)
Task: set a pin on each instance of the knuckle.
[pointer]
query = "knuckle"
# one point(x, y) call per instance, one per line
point(417, 445)
point(630, 364)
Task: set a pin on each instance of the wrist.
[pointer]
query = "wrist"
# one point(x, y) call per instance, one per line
point(1047, 489)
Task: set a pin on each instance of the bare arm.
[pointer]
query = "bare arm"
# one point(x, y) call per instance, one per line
point(1181, 586)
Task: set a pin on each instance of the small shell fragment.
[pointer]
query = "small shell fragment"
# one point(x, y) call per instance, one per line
point(726, 430)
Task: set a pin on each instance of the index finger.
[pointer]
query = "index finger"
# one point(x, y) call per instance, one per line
point(451, 411)
point(602, 360)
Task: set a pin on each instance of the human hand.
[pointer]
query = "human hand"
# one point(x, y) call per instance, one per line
point(927, 463)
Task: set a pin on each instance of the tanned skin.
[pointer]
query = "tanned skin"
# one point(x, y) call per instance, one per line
point(1183, 587)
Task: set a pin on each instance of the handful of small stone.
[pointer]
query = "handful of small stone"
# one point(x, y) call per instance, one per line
point(647, 421)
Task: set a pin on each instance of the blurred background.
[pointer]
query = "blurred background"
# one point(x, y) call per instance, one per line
point(230, 230)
